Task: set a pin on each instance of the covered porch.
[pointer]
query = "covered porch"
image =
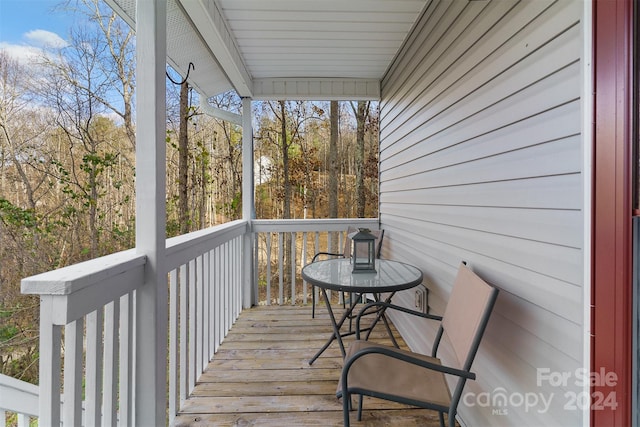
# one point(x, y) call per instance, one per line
point(90, 333)
point(260, 376)
point(227, 365)
point(487, 154)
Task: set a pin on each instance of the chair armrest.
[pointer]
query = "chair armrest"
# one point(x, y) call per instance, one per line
point(381, 305)
point(327, 254)
point(391, 352)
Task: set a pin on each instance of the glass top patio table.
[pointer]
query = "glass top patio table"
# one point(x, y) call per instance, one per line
point(337, 274)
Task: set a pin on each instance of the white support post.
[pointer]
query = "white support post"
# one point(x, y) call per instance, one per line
point(151, 299)
point(248, 208)
point(125, 392)
point(174, 348)
point(183, 380)
point(93, 386)
point(110, 372)
point(50, 364)
point(193, 325)
point(73, 338)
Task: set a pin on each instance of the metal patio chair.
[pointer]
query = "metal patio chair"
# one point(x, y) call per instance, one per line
point(389, 373)
point(346, 253)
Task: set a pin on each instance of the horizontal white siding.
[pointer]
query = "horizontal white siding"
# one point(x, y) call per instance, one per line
point(481, 160)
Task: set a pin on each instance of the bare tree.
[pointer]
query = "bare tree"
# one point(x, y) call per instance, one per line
point(75, 87)
point(333, 160)
point(183, 160)
point(22, 126)
point(117, 60)
point(226, 147)
point(361, 113)
point(285, 144)
point(23, 129)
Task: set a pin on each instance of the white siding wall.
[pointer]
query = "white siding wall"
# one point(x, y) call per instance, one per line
point(481, 160)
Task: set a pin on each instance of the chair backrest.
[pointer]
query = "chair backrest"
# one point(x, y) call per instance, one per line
point(348, 244)
point(467, 314)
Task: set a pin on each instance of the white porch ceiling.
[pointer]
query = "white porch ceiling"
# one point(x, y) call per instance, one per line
point(293, 49)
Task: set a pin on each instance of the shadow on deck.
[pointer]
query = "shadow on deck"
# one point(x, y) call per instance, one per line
point(260, 376)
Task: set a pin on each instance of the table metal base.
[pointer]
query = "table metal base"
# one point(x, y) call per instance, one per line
point(348, 314)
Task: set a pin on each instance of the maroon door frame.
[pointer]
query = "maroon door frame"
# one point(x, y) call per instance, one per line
point(612, 207)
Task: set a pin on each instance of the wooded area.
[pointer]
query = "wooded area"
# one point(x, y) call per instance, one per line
point(67, 163)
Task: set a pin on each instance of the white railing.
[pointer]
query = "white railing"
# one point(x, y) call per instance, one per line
point(18, 398)
point(278, 280)
point(88, 328)
point(87, 321)
point(88, 312)
point(205, 299)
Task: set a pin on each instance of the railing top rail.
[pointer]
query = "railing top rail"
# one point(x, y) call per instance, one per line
point(181, 249)
point(325, 224)
point(71, 279)
point(18, 396)
point(67, 280)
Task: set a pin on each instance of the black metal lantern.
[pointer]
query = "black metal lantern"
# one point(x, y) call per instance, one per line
point(363, 253)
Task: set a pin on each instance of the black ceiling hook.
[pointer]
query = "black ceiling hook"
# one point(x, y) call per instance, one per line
point(189, 68)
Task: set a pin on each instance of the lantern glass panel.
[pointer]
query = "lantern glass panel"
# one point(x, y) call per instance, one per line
point(363, 255)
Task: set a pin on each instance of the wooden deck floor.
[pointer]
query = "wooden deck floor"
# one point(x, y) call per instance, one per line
point(261, 377)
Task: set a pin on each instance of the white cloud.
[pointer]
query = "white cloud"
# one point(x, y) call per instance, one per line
point(45, 39)
point(38, 43)
point(21, 53)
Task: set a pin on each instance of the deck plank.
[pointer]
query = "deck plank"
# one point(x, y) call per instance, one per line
point(260, 376)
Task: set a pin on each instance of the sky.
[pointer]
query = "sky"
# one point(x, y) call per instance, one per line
point(31, 28)
point(29, 25)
